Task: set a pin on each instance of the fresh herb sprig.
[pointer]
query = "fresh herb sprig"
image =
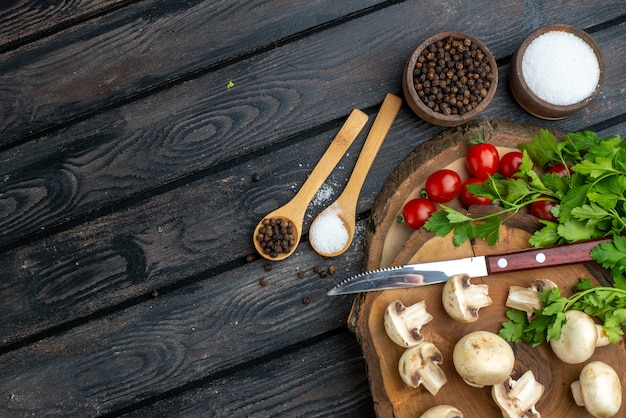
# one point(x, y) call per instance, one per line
point(591, 200)
point(605, 303)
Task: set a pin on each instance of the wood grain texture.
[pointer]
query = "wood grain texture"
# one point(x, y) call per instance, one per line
point(301, 382)
point(156, 346)
point(72, 74)
point(390, 243)
point(25, 20)
point(112, 57)
point(181, 234)
point(129, 150)
point(107, 173)
point(126, 168)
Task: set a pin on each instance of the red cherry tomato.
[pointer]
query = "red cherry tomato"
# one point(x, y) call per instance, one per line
point(482, 160)
point(510, 164)
point(470, 199)
point(542, 209)
point(417, 211)
point(560, 169)
point(443, 185)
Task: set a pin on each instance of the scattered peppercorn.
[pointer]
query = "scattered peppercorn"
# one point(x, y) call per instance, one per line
point(306, 300)
point(264, 281)
point(155, 293)
point(276, 236)
point(452, 76)
point(256, 177)
point(267, 267)
point(322, 272)
point(250, 258)
point(301, 274)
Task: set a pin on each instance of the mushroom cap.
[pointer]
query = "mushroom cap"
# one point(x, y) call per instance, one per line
point(419, 365)
point(461, 299)
point(483, 358)
point(598, 389)
point(404, 323)
point(442, 411)
point(578, 339)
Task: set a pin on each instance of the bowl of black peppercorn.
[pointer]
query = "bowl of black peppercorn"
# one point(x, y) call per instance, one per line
point(450, 78)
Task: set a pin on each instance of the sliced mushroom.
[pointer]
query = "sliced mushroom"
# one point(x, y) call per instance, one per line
point(526, 299)
point(462, 299)
point(442, 411)
point(404, 323)
point(419, 365)
point(517, 398)
point(598, 389)
point(483, 358)
point(580, 336)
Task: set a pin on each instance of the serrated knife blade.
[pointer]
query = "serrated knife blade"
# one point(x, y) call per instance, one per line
point(422, 274)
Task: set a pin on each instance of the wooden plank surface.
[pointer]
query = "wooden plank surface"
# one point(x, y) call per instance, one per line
point(127, 191)
point(104, 154)
point(141, 227)
point(24, 21)
point(156, 345)
point(327, 378)
point(147, 45)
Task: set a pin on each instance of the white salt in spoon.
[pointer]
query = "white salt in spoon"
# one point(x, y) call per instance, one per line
point(332, 231)
point(294, 210)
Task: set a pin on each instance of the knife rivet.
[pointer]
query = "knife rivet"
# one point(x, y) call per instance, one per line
point(502, 263)
point(540, 257)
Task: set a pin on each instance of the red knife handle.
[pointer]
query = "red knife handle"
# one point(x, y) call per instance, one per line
point(533, 258)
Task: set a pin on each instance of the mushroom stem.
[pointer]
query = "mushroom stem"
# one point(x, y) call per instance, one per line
point(419, 365)
point(523, 299)
point(526, 299)
point(462, 300)
point(404, 323)
point(602, 339)
point(517, 398)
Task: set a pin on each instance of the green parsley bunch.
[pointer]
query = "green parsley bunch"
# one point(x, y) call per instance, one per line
point(608, 304)
point(592, 204)
point(592, 198)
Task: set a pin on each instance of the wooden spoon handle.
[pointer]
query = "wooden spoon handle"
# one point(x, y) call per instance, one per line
point(386, 115)
point(336, 150)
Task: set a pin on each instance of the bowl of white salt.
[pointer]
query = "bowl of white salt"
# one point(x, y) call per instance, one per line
point(556, 71)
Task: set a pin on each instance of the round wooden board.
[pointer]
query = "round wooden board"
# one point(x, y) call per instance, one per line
point(390, 243)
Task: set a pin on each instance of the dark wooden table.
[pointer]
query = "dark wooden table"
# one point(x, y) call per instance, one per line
point(140, 143)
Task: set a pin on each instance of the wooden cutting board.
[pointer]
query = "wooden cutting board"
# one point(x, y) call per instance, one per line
point(390, 243)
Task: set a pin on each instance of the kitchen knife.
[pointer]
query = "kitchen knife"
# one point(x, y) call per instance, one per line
point(421, 274)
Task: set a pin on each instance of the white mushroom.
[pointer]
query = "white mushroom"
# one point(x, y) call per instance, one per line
point(462, 299)
point(442, 411)
point(483, 358)
point(419, 365)
point(526, 299)
point(598, 389)
point(403, 323)
point(517, 398)
point(580, 336)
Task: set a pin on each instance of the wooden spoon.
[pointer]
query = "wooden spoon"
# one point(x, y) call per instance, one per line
point(294, 210)
point(338, 222)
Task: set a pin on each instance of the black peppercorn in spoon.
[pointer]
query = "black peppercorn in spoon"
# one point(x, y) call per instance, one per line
point(278, 234)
